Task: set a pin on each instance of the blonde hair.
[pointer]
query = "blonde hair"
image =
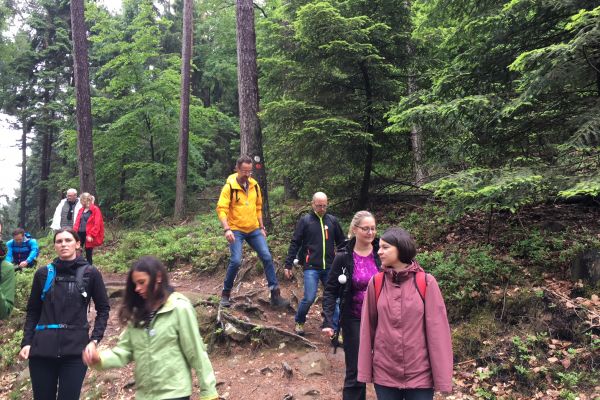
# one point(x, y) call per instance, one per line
point(86, 199)
point(357, 219)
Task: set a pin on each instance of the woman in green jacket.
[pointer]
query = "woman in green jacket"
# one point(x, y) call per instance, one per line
point(162, 337)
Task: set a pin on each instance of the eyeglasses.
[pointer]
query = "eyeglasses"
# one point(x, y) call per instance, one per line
point(320, 205)
point(367, 229)
point(245, 171)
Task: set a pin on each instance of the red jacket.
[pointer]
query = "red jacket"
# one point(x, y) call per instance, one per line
point(405, 342)
point(94, 227)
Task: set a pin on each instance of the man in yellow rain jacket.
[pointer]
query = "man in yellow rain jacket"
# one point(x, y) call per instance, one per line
point(240, 211)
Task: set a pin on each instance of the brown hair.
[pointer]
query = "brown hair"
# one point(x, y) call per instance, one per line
point(134, 307)
point(403, 241)
point(244, 159)
point(68, 230)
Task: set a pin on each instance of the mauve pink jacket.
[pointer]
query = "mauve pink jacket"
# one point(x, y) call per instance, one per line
point(404, 342)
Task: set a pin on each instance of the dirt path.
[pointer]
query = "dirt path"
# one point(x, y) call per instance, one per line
point(242, 372)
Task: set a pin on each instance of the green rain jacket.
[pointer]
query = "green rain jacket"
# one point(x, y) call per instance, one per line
point(7, 289)
point(164, 354)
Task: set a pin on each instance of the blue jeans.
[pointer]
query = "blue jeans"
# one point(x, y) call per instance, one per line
point(390, 393)
point(311, 284)
point(258, 242)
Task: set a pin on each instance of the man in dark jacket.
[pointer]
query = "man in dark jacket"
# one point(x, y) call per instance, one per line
point(314, 242)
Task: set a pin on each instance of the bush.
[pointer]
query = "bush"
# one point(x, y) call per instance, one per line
point(465, 279)
point(200, 244)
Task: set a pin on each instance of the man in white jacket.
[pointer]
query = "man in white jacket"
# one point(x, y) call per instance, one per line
point(66, 211)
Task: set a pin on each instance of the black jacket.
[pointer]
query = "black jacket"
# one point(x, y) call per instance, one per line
point(307, 242)
point(343, 263)
point(64, 304)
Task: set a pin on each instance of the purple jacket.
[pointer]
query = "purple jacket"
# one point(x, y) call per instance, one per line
point(405, 342)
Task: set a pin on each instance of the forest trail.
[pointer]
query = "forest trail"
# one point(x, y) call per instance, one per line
point(259, 370)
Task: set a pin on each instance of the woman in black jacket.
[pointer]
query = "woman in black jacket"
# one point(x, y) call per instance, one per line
point(350, 273)
point(56, 327)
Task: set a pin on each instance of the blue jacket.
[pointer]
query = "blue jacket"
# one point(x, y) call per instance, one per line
point(26, 251)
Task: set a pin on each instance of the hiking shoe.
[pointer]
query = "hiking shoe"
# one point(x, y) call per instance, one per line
point(225, 302)
point(299, 329)
point(277, 301)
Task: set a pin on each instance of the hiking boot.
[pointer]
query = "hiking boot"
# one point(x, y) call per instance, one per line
point(225, 302)
point(277, 301)
point(299, 329)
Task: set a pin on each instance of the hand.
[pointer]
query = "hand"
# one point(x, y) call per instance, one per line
point(23, 264)
point(264, 231)
point(90, 354)
point(89, 238)
point(24, 353)
point(229, 236)
point(328, 332)
point(288, 273)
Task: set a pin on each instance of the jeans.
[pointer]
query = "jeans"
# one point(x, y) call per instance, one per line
point(258, 242)
point(48, 374)
point(390, 393)
point(311, 284)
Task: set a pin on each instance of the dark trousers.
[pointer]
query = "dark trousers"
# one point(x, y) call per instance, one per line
point(353, 390)
point(88, 252)
point(391, 393)
point(49, 374)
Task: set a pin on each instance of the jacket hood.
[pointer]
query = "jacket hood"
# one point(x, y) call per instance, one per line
point(350, 243)
point(232, 180)
point(406, 273)
point(172, 301)
point(72, 265)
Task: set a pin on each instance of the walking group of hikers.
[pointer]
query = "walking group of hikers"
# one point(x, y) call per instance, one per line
point(390, 312)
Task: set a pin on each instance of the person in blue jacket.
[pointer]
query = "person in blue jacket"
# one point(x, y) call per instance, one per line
point(22, 250)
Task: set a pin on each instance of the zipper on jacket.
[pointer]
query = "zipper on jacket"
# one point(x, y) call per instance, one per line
point(323, 234)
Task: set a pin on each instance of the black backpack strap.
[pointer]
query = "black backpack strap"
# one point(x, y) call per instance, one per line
point(79, 280)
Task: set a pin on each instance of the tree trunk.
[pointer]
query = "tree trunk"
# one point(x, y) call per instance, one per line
point(363, 197)
point(23, 202)
point(44, 175)
point(416, 132)
point(184, 111)
point(85, 144)
point(290, 192)
point(250, 131)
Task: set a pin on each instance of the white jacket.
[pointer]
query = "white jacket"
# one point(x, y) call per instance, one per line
point(56, 219)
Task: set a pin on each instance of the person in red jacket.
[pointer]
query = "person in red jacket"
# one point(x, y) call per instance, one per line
point(89, 225)
point(405, 342)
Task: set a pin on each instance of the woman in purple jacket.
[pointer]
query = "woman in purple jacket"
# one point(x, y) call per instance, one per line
point(352, 268)
point(405, 344)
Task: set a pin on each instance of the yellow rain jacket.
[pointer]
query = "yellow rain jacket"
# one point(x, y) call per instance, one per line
point(242, 209)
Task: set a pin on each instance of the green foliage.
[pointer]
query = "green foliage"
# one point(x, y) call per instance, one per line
point(193, 244)
point(486, 189)
point(533, 248)
point(9, 349)
point(465, 279)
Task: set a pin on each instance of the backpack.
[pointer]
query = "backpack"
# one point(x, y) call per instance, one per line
point(420, 283)
point(78, 280)
point(237, 198)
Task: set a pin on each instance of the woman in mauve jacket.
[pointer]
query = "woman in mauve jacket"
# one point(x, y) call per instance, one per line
point(89, 225)
point(350, 273)
point(405, 343)
point(56, 326)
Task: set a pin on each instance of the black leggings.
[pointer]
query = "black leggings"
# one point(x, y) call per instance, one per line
point(353, 389)
point(49, 374)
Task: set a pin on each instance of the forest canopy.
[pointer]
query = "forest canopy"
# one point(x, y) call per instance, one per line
point(483, 103)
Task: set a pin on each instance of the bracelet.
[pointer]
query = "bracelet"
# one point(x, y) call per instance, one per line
point(225, 230)
point(263, 228)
